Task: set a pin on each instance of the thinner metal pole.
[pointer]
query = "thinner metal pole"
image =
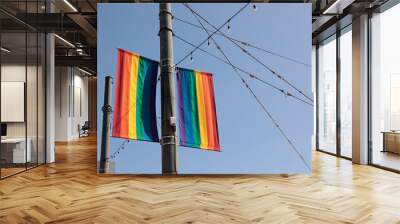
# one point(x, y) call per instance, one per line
point(168, 124)
point(338, 97)
point(105, 133)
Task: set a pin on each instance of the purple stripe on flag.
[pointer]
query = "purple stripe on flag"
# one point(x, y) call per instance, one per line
point(182, 131)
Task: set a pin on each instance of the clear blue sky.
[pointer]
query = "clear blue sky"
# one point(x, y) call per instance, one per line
point(249, 141)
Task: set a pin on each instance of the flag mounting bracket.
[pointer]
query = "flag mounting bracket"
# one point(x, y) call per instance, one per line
point(165, 62)
point(172, 121)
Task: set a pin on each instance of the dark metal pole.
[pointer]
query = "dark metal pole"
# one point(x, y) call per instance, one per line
point(168, 124)
point(316, 105)
point(105, 133)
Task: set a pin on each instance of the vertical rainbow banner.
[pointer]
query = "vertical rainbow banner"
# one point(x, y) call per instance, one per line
point(134, 115)
point(196, 106)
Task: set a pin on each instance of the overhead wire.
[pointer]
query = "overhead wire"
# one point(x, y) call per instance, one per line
point(251, 75)
point(279, 76)
point(210, 35)
point(282, 132)
point(245, 43)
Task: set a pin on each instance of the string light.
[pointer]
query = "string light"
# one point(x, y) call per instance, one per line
point(273, 72)
point(254, 7)
point(246, 44)
point(285, 93)
point(229, 25)
point(191, 56)
point(119, 149)
point(220, 27)
point(208, 42)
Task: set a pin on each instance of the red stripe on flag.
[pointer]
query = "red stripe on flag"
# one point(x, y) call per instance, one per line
point(121, 105)
point(213, 116)
point(209, 110)
point(117, 97)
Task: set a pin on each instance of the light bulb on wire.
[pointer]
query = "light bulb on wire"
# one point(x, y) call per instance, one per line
point(229, 25)
point(191, 56)
point(208, 42)
point(254, 7)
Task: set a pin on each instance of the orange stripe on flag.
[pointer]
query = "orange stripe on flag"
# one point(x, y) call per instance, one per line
point(125, 86)
point(208, 110)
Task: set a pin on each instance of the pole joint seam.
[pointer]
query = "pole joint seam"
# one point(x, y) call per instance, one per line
point(165, 28)
point(166, 12)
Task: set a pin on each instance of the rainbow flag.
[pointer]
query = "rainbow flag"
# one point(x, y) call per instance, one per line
point(134, 115)
point(196, 106)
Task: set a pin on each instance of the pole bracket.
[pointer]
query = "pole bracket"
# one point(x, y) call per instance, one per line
point(168, 140)
point(107, 108)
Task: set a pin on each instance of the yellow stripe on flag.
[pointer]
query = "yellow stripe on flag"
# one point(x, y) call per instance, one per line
point(202, 110)
point(132, 97)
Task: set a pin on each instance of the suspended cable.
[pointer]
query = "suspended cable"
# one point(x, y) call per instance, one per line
point(251, 55)
point(256, 97)
point(119, 149)
point(251, 75)
point(244, 43)
point(216, 30)
point(287, 93)
point(122, 146)
point(278, 127)
point(273, 53)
